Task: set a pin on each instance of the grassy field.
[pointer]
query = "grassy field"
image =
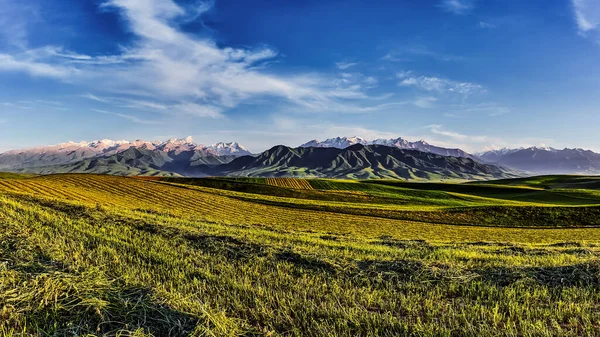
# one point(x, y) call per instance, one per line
point(104, 255)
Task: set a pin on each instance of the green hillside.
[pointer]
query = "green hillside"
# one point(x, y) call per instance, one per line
point(555, 182)
point(10, 175)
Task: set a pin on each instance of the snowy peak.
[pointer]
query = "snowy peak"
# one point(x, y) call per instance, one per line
point(546, 160)
point(398, 142)
point(229, 149)
point(401, 143)
point(73, 151)
point(338, 142)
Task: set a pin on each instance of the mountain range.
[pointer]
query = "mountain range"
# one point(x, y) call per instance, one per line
point(354, 162)
point(72, 152)
point(545, 160)
point(358, 162)
point(341, 157)
point(344, 142)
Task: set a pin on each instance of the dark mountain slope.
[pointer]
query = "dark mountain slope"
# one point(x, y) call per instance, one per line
point(354, 162)
point(358, 161)
point(139, 161)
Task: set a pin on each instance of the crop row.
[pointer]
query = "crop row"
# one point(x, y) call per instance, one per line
point(301, 184)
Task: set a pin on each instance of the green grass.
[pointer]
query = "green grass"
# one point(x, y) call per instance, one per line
point(10, 175)
point(103, 255)
point(554, 181)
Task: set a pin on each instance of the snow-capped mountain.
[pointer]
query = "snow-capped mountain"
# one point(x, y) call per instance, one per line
point(229, 149)
point(401, 143)
point(492, 156)
point(546, 160)
point(73, 151)
point(338, 142)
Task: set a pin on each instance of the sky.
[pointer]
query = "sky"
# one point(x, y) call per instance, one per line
point(474, 74)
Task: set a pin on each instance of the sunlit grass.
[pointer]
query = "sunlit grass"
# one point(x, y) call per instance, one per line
point(84, 254)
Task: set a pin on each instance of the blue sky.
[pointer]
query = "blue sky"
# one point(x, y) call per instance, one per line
point(473, 74)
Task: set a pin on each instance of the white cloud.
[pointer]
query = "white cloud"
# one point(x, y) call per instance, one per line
point(345, 65)
point(423, 51)
point(425, 102)
point(457, 6)
point(407, 54)
point(34, 68)
point(392, 57)
point(42, 101)
point(587, 17)
point(486, 25)
point(492, 109)
point(94, 97)
point(139, 104)
point(181, 108)
point(437, 84)
point(15, 17)
point(199, 110)
point(439, 130)
point(171, 67)
point(130, 118)
point(330, 131)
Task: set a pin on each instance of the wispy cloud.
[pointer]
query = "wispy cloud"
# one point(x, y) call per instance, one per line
point(491, 109)
point(139, 104)
point(345, 65)
point(33, 67)
point(393, 57)
point(200, 110)
point(42, 101)
point(130, 118)
point(166, 64)
point(94, 97)
point(437, 84)
point(423, 51)
point(14, 20)
point(181, 108)
point(17, 105)
point(35, 104)
point(457, 6)
point(486, 25)
point(439, 130)
point(425, 102)
point(587, 17)
point(415, 52)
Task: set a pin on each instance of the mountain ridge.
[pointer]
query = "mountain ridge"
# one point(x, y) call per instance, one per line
point(546, 160)
point(71, 152)
point(401, 143)
point(355, 162)
point(358, 162)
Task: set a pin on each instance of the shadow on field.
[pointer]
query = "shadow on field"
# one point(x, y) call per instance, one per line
point(404, 244)
point(306, 262)
point(228, 246)
point(397, 270)
point(584, 274)
point(44, 296)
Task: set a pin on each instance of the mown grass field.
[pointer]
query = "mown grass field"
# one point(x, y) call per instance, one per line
point(104, 255)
